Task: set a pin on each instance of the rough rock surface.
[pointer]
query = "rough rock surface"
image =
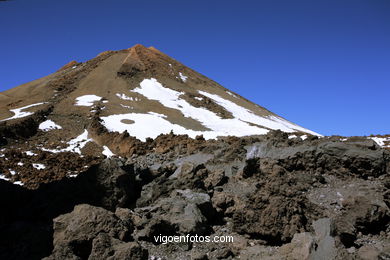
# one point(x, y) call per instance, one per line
point(183, 212)
point(90, 232)
point(279, 198)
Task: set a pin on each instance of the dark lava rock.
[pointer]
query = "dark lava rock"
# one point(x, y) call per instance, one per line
point(114, 183)
point(361, 215)
point(93, 233)
point(85, 222)
point(360, 158)
point(26, 225)
point(106, 247)
point(184, 212)
point(279, 198)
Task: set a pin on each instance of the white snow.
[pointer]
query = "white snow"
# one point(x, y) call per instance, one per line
point(75, 145)
point(12, 172)
point(246, 115)
point(124, 97)
point(292, 136)
point(153, 90)
point(18, 113)
point(20, 164)
point(39, 166)
point(48, 125)
point(157, 114)
point(144, 126)
point(303, 137)
point(107, 152)
point(153, 124)
point(129, 107)
point(183, 77)
point(2, 177)
point(87, 100)
point(231, 94)
point(79, 142)
point(381, 141)
point(29, 153)
point(199, 98)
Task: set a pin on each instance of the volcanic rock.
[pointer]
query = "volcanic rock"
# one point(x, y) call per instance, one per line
point(102, 156)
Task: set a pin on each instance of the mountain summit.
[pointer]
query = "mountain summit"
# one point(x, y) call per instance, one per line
point(144, 92)
point(119, 99)
point(100, 158)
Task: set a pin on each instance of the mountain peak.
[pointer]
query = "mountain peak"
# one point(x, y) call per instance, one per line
point(122, 98)
point(138, 46)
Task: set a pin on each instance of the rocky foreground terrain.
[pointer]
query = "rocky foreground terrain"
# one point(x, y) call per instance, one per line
point(280, 197)
point(102, 156)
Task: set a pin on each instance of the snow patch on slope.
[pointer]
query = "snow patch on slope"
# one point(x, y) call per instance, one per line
point(75, 145)
point(29, 153)
point(39, 166)
point(107, 152)
point(231, 94)
point(48, 125)
point(2, 177)
point(153, 90)
point(246, 115)
point(183, 77)
point(304, 137)
point(18, 113)
point(87, 100)
point(145, 125)
point(381, 141)
point(153, 124)
point(128, 107)
point(125, 97)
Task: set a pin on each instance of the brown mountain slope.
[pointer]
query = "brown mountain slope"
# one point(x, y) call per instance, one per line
point(114, 74)
point(111, 104)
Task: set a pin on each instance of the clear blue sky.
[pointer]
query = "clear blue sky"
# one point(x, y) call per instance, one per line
point(323, 64)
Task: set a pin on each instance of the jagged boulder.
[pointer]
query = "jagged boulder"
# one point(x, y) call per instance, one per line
point(187, 176)
point(183, 212)
point(361, 215)
point(88, 232)
point(362, 158)
point(113, 184)
point(106, 247)
point(301, 246)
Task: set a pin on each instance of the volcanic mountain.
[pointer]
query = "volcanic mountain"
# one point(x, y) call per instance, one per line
point(145, 92)
point(138, 92)
point(132, 145)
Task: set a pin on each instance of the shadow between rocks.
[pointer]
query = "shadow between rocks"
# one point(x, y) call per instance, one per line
point(26, 229)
